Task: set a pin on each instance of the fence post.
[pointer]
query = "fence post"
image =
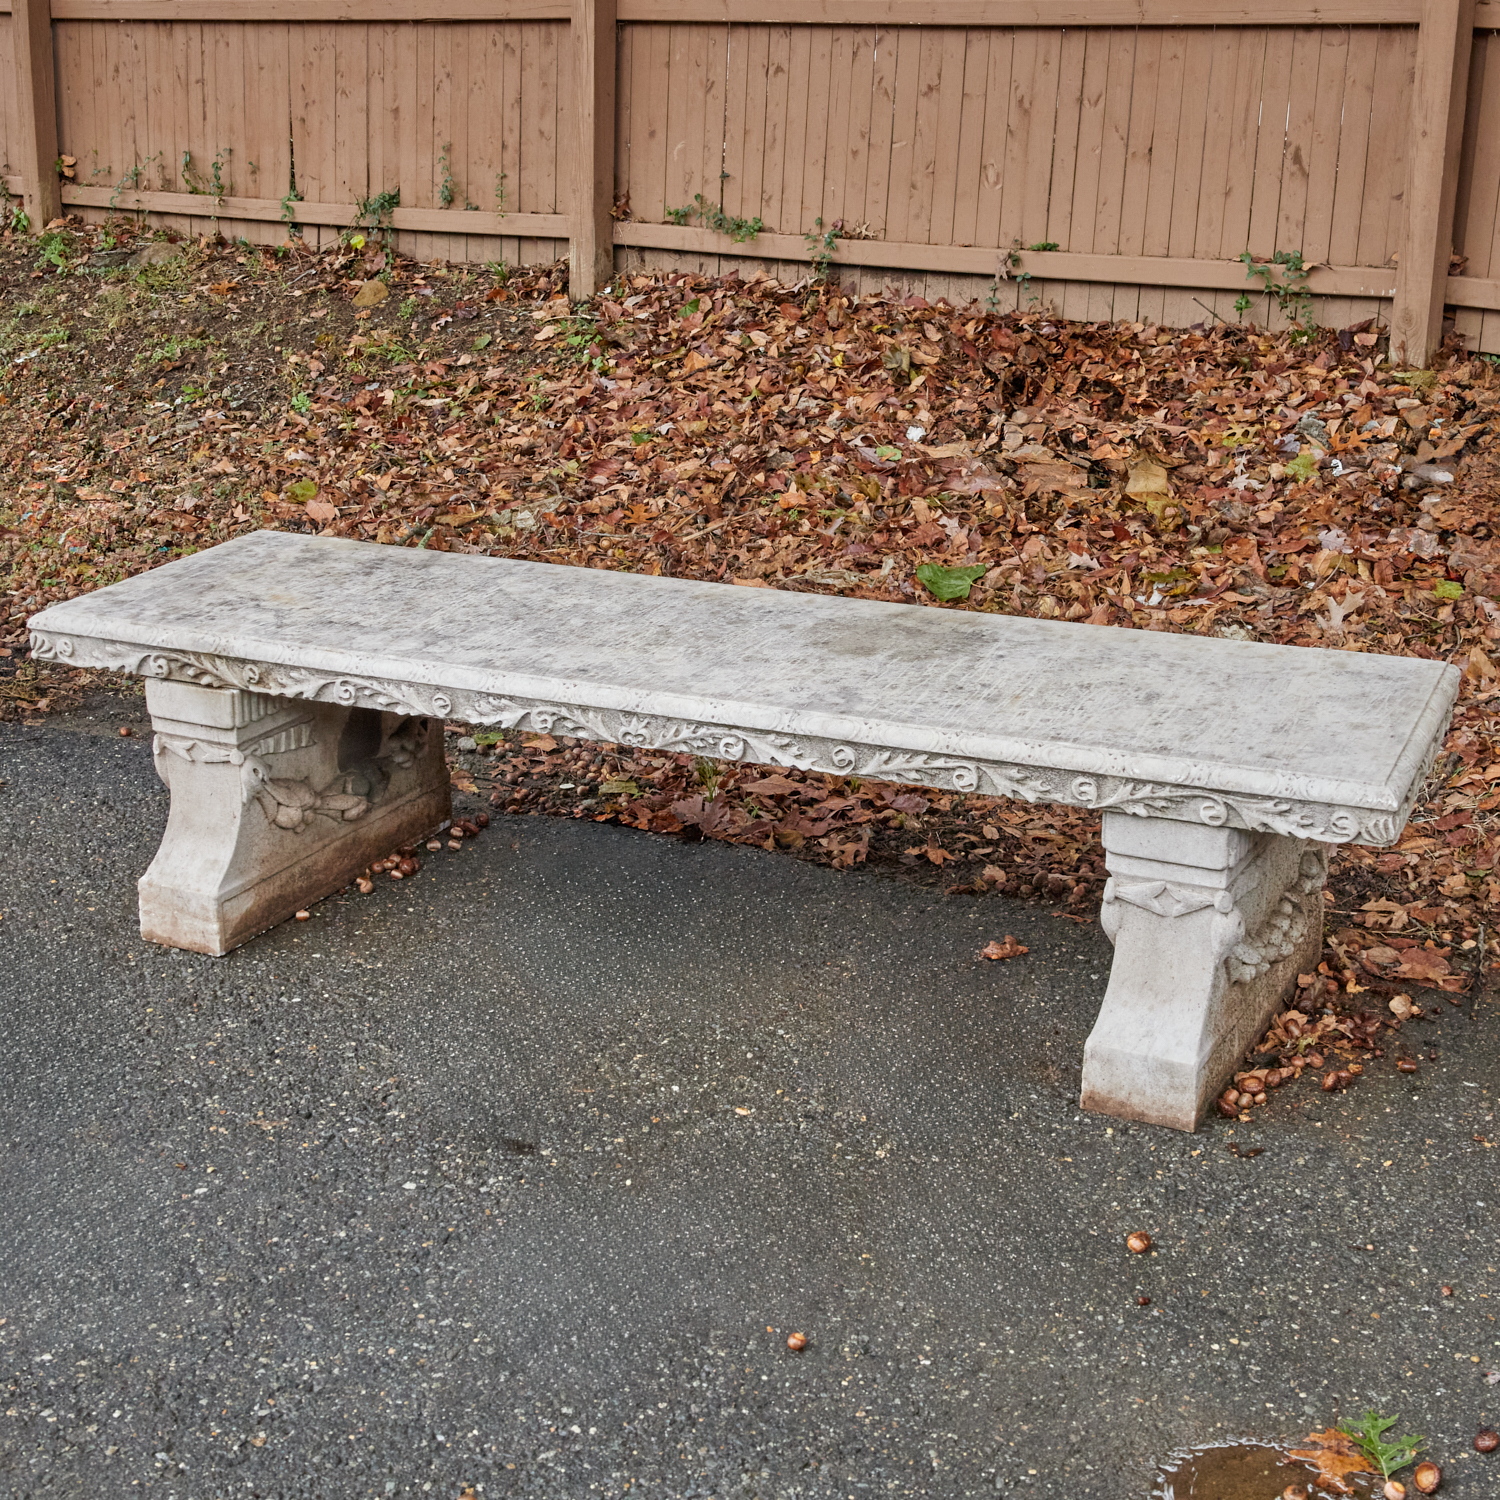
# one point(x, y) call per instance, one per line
point(591, 254)
point(36, 108)
point(1440, 93)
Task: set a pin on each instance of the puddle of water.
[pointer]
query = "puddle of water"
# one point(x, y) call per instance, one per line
point(1244, 1471)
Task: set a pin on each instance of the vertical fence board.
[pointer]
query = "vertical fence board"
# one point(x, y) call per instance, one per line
point(1477, 224)
point(1354, 145)
point(1167, 139)
point(1200, 46)
point(745, 121)
point(1302, 107)
point(882, 133)
point(1109, 208)
point(1146, 89)
point(9, 125)
point(1324, 140)
point(1385, 172)
point(1083, 189)
point(790, 213)
point(905, 81)
point(1067, 140)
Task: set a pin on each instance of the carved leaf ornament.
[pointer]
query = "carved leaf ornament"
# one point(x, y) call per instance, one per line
point(1293, 819)
point(292, 804)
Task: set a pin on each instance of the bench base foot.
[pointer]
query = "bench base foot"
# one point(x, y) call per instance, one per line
point(1211, 927)
point(276, 803)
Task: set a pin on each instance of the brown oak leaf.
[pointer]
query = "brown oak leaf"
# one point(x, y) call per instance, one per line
point(1010, 948)
point(1335, 1456)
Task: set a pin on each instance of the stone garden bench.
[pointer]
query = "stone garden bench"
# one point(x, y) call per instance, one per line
point(298, 687)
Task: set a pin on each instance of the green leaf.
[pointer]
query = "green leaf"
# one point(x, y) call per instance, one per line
point(483, 341)
point(1446, 588)
point(949, 583)
point(484, 738)
point(302, 490)
point(889, 454)
point(618, 788)
point(1304, 466)
point(1369, 1438)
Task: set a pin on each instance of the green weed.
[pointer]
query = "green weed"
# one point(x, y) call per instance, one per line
point(1284, 277)
point(821, 243)
point(712, 216)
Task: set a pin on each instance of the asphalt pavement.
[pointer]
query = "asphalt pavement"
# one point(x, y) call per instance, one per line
point(516, 1177)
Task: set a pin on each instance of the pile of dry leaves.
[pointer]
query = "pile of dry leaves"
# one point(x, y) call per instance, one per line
point(1212, 480)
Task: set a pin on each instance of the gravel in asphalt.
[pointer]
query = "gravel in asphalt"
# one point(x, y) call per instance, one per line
point(517, 1176)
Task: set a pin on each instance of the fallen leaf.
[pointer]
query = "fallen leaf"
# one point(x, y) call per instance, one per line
point(1423, 966)
point(1334, 1455)
point(949, 583)
point(1008, 948)
point(371, 294)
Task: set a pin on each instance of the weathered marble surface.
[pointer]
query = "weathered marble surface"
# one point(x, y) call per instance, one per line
point(1320, 744)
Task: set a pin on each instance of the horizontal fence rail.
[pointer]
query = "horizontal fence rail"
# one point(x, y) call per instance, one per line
point(1113, 158)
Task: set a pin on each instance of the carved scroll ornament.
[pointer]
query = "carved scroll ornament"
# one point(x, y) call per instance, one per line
point(1294, 819)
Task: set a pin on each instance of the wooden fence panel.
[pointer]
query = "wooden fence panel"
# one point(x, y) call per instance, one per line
point(462, 115)
point(1171, 141)
point(981, 132)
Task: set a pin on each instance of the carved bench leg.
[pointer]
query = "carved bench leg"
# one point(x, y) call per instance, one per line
point(276, 802)
point(1211, 927)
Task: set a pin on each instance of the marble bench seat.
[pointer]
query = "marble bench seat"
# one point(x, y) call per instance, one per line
point(298, 686)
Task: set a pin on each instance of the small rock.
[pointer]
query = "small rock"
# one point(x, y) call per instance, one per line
point(468, 742)
point(1426, 474)
point(371, 294)
point(157, 253)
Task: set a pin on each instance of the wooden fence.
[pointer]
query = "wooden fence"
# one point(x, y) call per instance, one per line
point(1142, 144)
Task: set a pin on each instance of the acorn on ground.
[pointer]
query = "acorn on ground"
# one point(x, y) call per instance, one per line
point(1427, 1477)
point(796, 1342)
point(1138, 1242)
